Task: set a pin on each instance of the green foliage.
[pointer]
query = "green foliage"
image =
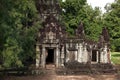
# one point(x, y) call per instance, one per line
point(76, 11)
point(92, 21)
point(112, 21)
point(10, 53)
point(19, 24)
point(71, 11)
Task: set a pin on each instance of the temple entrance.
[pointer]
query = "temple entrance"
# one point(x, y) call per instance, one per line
point(50, 56)
point(50, 63)
point(94, 56)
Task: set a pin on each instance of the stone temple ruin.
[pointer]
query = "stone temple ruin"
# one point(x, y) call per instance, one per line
point(54, 46)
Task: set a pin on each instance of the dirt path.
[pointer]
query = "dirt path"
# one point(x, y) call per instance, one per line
point(54, 77)
point(51, 75)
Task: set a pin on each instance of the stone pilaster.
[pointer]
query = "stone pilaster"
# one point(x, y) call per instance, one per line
point(85, 55)
point(76, 53)
point(57, 57)
point(101, 56)
point(80, 53)
point(67, 53)
point(90, 54)
point(109, 56)
point(62, 57)
point(43, 57)
point(37, 56)
point(105, 55)
point(97, 53)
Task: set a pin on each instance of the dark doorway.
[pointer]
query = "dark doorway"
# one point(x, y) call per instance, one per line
point(50, 56)
point(94, 56)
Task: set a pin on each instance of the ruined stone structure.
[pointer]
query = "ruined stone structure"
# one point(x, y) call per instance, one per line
point(56, 47)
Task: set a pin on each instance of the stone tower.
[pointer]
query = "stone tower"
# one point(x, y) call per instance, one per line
point(48, 7)
point(51, 36)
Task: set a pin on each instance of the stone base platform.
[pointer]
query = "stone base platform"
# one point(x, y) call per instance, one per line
point(75, 68)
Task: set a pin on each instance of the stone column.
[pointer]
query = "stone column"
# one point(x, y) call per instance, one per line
point(97, 53)
point(76, 52)
point(76, 56)
point(105, 55)
point(62, 57)
point(90, 54)
point(57, 57)
point(43, 57)
point(101, 56)
point(37, 56)
point(67, 53)
point(85, 59)
point(109, 56)
point(80, 53)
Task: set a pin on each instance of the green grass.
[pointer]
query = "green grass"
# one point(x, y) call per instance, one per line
point(115, 57)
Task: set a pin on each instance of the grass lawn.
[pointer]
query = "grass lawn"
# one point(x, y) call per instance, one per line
point(115, 56)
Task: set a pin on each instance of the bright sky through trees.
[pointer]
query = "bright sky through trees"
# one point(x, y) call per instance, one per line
point(99, 3)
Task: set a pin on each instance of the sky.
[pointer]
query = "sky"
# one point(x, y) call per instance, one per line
point(99, 3)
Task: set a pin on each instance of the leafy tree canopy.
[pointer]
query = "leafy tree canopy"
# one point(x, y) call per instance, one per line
point(112, 22)
point(77, 11)
point(18, 26)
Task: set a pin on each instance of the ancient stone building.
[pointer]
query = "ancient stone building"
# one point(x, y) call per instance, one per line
point(56, 47)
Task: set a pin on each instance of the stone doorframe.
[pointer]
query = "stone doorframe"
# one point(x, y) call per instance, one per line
point(56, 56)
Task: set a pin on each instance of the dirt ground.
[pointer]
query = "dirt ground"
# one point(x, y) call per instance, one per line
point(51, 75)
point(57, 77)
